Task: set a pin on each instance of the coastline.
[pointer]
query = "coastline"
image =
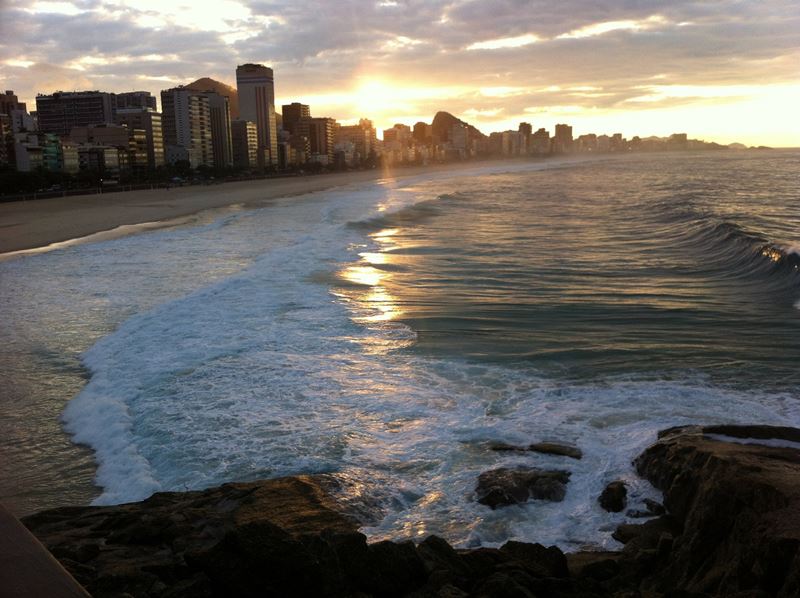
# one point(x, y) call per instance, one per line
point(43, 224)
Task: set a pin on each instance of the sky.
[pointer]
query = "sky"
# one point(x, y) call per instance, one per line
point(719, 70)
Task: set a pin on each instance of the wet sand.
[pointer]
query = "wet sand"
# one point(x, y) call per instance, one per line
point(26, 225)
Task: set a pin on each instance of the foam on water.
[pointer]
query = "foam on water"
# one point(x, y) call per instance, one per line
point(279, 370)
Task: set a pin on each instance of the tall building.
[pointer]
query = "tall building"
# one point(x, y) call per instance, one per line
point(562, 140)
point(186, 121)
point(540, 142)
point(137, 99)
point(244, 135)
point(256, 87)
point(292, 113)
point(9, 102)
point(150, 123)
point(59, 112)
point(220, 121)
point(319, 132)
point(360, 136)
point(423, 132)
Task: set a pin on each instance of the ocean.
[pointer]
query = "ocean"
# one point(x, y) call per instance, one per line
point(389, 333)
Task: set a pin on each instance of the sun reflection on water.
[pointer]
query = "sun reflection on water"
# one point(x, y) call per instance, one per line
point(369, 298)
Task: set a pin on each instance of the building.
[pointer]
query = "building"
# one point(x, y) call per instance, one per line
point(540, 143)
point(319, 132)
point(292, 113)
point(6, 141)
point(27, 152)
point(256, 87)
point(362, 138)
point(399, 133)
point(150, 123)
point(136, 99)
point(423, 134)
point(9, 102)
point(186, 122)
point(58, 113)
point(221, 140)
point(111, 135)
point(562, 140)
point(244, 137)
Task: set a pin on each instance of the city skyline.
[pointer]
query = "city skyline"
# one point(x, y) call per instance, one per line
point(724, 73)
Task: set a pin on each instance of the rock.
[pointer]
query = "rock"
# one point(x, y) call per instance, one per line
point(502, 446)
point(738, 509)
point(614, 497)
point(555, 448)
point(548, 448)
point(651, 509)
point(506, 486)
point(538, 560)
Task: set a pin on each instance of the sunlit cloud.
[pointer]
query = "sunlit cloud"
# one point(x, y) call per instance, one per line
point(505, 42)
point(61, 8)
point(475, 113)
point(609, 26)
point(658, 93)
point(498, 92)
point(19, 63)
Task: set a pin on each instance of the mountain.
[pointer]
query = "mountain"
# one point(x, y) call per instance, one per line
point(442, 124)
point(208, 84)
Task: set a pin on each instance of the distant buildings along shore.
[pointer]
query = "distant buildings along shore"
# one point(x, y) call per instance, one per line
point(212, 126)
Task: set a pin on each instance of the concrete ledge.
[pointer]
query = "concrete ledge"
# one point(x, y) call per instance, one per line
point(27, 569)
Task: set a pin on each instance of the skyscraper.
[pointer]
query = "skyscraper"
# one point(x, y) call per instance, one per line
point(186, 120)
point(256, 88)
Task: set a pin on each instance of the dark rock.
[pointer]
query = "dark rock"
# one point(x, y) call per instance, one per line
point(738, 508)
point(555, 448)
point(548, 448)
point(651, 509)
point(614, 497)
point(538, 560)
point(502, 446)
point(506, 486)
point(505, 585)
point(601, 570)
point(656, 508)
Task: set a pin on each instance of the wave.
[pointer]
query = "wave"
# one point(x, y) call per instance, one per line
point(736, 251)
point(407, 215)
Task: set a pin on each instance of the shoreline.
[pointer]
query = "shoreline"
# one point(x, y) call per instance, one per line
point(45, 224)
point(294, 536)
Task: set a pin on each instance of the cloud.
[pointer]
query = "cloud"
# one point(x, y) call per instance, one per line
point(497, 59)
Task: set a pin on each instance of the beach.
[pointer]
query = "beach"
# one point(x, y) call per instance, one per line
point(34, 224)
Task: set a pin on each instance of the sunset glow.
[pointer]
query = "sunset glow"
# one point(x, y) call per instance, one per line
point(685, 66)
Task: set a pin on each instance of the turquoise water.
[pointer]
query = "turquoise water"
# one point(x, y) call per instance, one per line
point(388, 333)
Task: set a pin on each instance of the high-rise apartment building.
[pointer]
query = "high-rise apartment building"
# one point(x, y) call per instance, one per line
point(292, 113)
point(150, 123)
point(136, 99)
point(245, 143)
point(221, 141)
point(59, 112)
point(186, 121)
point(319, 132)
point(562, 140)
point(256, 87)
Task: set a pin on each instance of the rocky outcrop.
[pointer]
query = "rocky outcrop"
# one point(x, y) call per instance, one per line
point(282, 537)
point(737, 505)
point(732, 528)
point(509, 486)
point(614, 497)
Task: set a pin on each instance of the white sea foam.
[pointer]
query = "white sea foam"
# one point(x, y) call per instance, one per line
point(265, 372)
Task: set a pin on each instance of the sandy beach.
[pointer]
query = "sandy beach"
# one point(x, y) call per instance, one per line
point(26, 225)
